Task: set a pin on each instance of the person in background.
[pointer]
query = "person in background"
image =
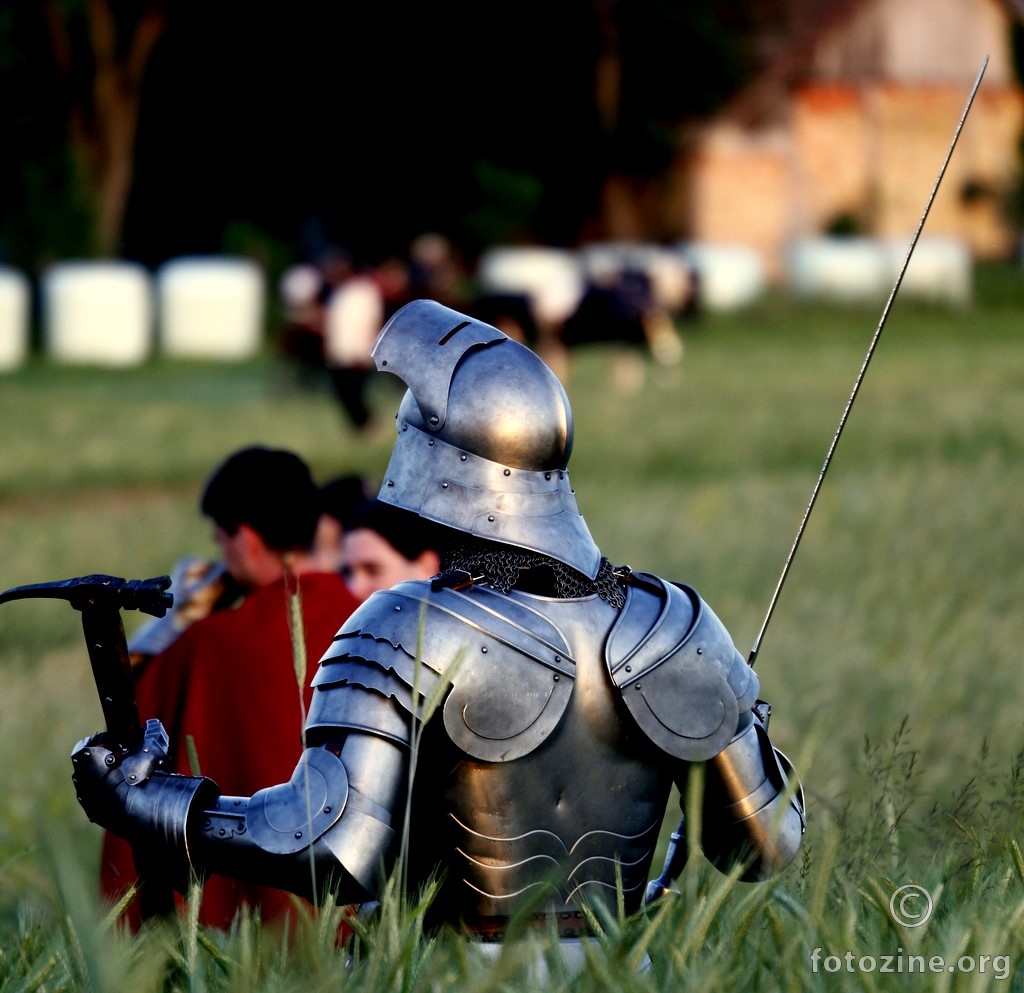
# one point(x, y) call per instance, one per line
point(233, 685)
point(384, 545)
point(353, 314)
point(339, 498)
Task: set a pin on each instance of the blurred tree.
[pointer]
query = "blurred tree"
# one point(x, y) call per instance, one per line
point(101, 49)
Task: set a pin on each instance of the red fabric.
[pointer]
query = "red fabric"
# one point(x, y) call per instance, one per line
point(229, 683)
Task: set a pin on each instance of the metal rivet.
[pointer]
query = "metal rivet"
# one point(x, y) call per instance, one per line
point(222, 832)
point(638, 686)
point(391, 482)
point(298, 834)
point(490, 518)
point(463, 457)
point(434, 419)
point(700, 651)
point(629, 668)
point(444, 486)
point(327, 810)
point(398, 610)
point(430, 444)
point(547, 475)
point(508, 472)
point(484, 649)
point(556, 677)
point(558, 658)
point(384, 362)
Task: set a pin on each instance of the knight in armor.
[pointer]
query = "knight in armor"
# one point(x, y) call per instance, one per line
point(575, 693)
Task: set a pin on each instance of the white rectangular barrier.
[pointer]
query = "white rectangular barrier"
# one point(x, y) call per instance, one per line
point(210, 307)
point(98, 313)
point(730, 276)
point(15, 310)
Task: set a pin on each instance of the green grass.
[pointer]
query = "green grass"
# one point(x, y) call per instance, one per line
point(893, 659)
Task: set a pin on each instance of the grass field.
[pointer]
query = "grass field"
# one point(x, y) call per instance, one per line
point(893, 659)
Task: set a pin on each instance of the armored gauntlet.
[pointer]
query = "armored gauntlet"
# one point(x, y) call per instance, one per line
point(131, 795)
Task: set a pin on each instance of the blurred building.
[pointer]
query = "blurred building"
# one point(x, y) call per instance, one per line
point(844, 130)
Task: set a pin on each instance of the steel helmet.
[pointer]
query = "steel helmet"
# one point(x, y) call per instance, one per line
point(484, 435)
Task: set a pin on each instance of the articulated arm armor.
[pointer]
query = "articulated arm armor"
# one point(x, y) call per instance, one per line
point(327, 832)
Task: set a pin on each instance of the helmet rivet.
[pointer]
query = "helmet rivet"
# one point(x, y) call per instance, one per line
point(547, 475)
point(434, 419)
point(398, 610)
point(430, 444)
point(508, 472)
point(384, 362)
point(700, 651)
point(490, 518)
point(629, 668)
point(484, 649)
point(444, 486)
point(405, 427)
point(556, 677)
point(391, 482)
point(463, 457)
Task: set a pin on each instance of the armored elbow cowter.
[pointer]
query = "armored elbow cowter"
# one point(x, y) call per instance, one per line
point(753, 807)
point(316, 835)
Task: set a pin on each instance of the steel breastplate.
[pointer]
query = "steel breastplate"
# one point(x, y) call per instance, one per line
point(576, 813)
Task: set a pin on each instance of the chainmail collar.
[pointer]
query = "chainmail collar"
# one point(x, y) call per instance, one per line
point(505, 567)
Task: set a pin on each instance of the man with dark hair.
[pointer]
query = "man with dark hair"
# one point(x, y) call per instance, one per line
point(232, 688)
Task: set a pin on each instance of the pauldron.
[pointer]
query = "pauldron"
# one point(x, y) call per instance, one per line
point(678, 670)
point(482, 642)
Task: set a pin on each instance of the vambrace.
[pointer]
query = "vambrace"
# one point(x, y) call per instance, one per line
point(753, 806)
point(315, 835)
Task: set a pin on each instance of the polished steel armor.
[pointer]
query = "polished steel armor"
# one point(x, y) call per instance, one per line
point(527, 743)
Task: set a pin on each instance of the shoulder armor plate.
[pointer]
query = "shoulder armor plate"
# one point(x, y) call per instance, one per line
point(510, 668)
point(679, 673)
